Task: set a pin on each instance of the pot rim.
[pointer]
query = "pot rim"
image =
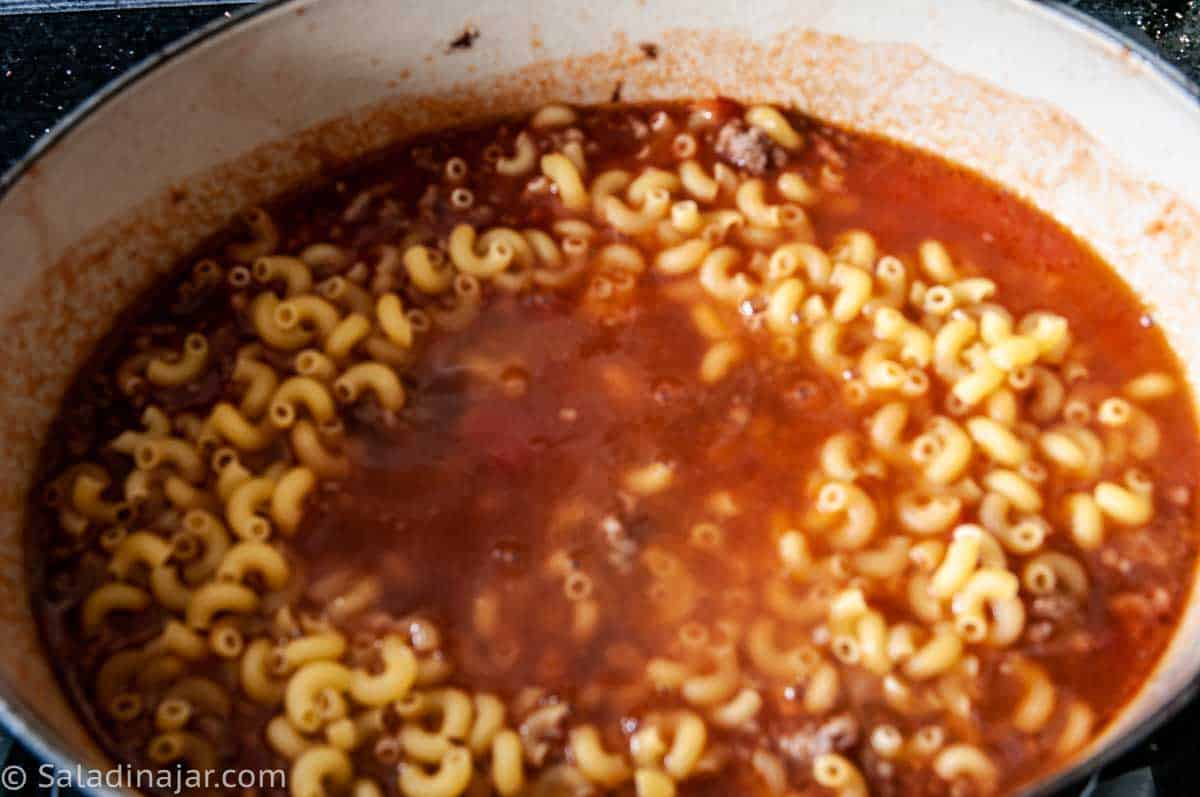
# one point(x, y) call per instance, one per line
point(1056, 12)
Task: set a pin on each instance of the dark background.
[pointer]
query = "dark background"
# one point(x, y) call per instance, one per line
point(51, 59)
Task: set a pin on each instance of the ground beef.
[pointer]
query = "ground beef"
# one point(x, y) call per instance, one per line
point(836, 735)
point(622, 547)
point(747, 148)
point(428, 203)
point(1057, 608)
point(1135, 609)
point(541, 729)
point(828, 152)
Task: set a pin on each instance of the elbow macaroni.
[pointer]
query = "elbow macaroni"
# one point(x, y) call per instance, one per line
point(989, 471)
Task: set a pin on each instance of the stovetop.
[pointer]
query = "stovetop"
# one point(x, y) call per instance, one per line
point(55, 53)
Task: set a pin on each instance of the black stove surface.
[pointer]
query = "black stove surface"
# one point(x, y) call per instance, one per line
point(55, 53)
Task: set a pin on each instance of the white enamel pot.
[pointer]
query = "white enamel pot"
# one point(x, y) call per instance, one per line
point(1085, 126)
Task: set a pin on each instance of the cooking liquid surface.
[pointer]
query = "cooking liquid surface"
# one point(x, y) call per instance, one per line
point(506, 466)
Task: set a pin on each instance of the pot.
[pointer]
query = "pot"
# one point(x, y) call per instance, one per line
point(1027, 94)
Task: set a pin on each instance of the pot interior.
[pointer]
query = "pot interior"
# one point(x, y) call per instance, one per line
point(235, 119)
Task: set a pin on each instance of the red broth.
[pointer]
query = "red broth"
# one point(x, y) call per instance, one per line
point(570, 514)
